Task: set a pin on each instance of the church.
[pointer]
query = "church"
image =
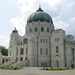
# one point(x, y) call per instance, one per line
point(41, 46)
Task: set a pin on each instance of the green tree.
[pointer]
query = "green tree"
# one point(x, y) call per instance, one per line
point(4, 50)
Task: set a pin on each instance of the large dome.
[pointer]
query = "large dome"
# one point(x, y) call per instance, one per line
point(41, 16)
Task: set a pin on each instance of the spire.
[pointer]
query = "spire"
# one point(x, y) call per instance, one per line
point(39, 9)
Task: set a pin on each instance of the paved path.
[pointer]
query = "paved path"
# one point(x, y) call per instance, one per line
point(35, 71)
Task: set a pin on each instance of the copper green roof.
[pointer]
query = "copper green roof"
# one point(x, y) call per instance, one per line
point(15, 31)
point(39, 15)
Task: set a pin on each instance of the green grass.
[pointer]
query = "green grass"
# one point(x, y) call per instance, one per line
point(56, 69)
point(10, 68)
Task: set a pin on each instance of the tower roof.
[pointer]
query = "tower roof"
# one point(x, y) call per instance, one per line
point(15, 31)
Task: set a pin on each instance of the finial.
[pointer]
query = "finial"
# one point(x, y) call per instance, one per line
point(39, 9)
point(15, 28)
point(39, 6)
point(15, 31)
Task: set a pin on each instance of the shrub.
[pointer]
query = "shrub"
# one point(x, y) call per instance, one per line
point(43, 68)
point(67, 68)
point(46, 68)
point(11, 66)
point(60, 68)
point(15, 68)
point(2, 67)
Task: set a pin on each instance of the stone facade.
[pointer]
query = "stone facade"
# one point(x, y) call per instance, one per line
point(41, 46)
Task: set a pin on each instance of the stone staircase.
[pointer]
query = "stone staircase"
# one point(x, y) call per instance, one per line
point(14, 63)
point(8, 63)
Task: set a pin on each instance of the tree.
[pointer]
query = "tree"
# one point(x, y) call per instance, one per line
point(4, 50)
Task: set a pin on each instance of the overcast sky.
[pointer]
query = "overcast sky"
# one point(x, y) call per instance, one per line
point(14, 13)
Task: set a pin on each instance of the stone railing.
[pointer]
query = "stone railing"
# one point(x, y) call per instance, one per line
point(14, 64)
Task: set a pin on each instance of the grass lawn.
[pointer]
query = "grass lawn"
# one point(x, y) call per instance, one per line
point(56, 69)
point(10, 68)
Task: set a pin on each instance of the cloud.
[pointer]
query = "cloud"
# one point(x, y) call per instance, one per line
point(26, 1)
point(59, 23)
point(59, 11)
point(52, 3)
point(4, 41)
point(71, 4)
point(27, 7)
point(72, 19)
point(19, 23)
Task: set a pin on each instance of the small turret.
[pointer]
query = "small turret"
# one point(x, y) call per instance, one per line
point(14, 34)
point(14, 37)
point(14, 41)
point(15, 31)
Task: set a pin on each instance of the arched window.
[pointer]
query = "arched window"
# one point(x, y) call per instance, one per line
point(6, 60)
point(21, 58)
point(30, 30)
point(25, 41)
point(16, 59)
point(3, 61)
point(40, 40)
point(46, 51)
point(57, 49)
point(42, 29)
point(47, 29)
point(21, 51)
point(26, 58)
point(40, 50)
point(35, 29)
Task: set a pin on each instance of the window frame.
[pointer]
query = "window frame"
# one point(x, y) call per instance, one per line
point(47, 29)
point(25, 41)
point(36, 29)
point(46, 51)
point(30, 30)
point(42, 29)
point(22, 51)
point(40, 50)
point(57, 49)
